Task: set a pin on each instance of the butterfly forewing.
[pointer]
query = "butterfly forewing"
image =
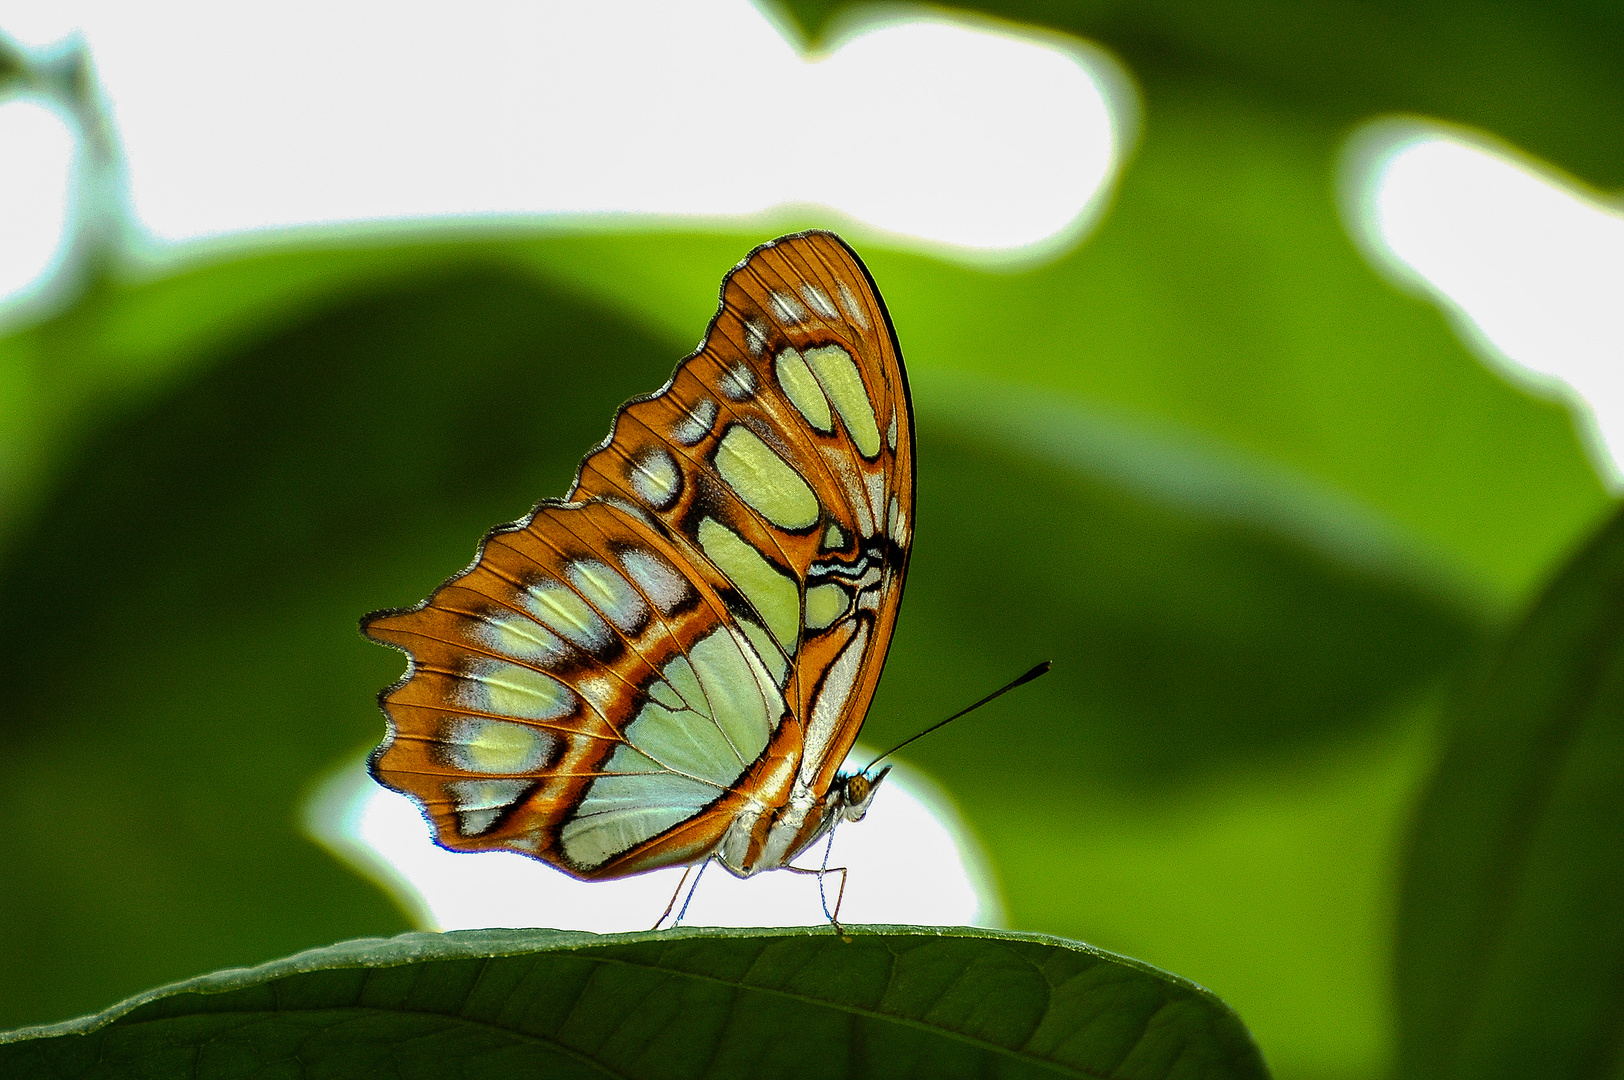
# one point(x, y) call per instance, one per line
point(699, 627)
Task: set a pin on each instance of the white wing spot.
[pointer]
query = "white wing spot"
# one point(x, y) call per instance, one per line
point(838, 680)
point(600, 692)
point(518, 637)
point(610, 593)
point(695, 424)
point(530, 841)
point(657, 578)
point(654, 477)
point(787, 307)
point(626, 506)
point(891, 432)
point(755, 336)
point(480, 802)
point(819, 301)
point(849, 303)
point(562, 610)
point(840, 463)
point(738, 383)
point(875, 483)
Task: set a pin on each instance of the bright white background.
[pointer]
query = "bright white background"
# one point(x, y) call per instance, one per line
point(1528, 263)
point(242, 118)
point(245, 116)
point(36, 168)
point(910, 860)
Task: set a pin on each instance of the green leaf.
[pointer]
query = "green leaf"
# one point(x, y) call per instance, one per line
point(1511, 946)
point(889, 1001)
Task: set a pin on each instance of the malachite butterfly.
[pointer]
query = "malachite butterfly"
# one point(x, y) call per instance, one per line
point(670, 664)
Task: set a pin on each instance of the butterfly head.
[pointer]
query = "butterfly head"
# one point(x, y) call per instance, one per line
point(856, 792)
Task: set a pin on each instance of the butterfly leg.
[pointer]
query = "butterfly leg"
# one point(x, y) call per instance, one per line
point(692, 889)
point(823, 897)
point(680, 883)
point(839, 897)
point(832, 916)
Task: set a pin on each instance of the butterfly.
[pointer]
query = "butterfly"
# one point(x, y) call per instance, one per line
point(669, 664)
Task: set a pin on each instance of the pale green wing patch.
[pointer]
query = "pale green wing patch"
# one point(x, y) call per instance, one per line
point(825, 604)
point(638, 802)
point(770, 591)
point(708, 717)
point(765, 481)
point(838, 374)
point(803, 391)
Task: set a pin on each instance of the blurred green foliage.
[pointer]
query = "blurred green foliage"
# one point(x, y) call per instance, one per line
point(1259, 507)
point(1512, 939)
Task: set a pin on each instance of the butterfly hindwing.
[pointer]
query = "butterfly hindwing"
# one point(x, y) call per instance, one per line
point(699, 626)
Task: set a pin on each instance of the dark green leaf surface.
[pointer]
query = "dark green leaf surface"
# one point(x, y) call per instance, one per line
point(1511, 947)
point(889, 1002)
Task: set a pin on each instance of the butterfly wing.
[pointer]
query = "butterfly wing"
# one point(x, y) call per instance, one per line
point(699, 627)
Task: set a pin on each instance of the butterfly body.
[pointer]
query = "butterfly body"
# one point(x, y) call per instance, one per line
point(670, 664)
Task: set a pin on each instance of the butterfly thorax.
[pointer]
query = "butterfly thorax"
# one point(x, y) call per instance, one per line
point(770, 838)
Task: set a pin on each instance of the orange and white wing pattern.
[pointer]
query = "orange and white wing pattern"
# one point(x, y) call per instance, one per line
point(672, 662)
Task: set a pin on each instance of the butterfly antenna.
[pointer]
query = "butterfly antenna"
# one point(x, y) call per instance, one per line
point(1024, 679)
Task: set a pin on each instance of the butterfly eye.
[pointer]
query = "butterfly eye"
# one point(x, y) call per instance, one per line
point(859, 794)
